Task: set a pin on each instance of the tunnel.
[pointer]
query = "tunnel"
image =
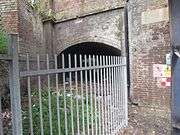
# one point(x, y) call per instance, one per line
point(92, 48)
point(89, 49)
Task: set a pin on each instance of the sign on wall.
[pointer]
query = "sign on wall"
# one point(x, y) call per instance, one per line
point(161, 70)
point(164, 82)
point(162, 73)
point(168, 59)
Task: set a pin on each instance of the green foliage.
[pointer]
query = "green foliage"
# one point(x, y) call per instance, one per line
point(41, 7)
point(3, 41)
point(45, 108)
point(36, 5)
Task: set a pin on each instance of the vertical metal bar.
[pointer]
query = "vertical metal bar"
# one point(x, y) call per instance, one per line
point(29, 96)
point(15, 85)
point(70, 84)
point(77, 94)
point(125, 91)
point(107, 89)
point(120, 90)
point(102, 95)
point(116, 91)
point(1, 118)
point(110, 94)
point(40, 96)
point(58, 96)
point(105, 95)
point(87, 103)
point(91, 95)
point(49, 96)
point(99, 95)
point(112, 108)
point(122, 93)
point(119, 93)
point(82, 95)
point(64, 89)
point(113, 96)
point(95, 95)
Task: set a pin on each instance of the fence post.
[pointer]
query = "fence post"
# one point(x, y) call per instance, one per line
point(14, 83)
point(125, 90)
point(1, 118)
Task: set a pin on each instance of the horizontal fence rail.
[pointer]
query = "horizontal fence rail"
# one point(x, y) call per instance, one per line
point(77, 95)
point(72, 95)
point(54, 71)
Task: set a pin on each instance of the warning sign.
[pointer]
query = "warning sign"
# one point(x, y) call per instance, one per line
point(161, 71)
point(164, 82)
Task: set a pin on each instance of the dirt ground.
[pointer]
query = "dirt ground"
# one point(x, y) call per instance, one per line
point(145, 120)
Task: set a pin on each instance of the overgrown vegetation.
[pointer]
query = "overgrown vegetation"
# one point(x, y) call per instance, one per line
point(3, 39)
point(3, 42)
point(45, 108)
point(43, 9)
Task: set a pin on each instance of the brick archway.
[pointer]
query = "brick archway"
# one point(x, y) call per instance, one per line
point(106, 28)
point(98, 40)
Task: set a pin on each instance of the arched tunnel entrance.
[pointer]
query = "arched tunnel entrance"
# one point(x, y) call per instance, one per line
point(87, 48)
point(94, 88)
point(93, 48)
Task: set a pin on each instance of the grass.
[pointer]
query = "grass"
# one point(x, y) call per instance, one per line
point(45, 108)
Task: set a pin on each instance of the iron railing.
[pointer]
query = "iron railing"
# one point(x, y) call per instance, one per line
point(97, 85)
point(68, 94)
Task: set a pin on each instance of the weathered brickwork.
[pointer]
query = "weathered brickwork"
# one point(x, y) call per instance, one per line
point(9, 21)
point(18, 17)
point(9, 16)
point(30, 29)
point(149, 44)
point(107, 28)
point(103, 21)
point(67, 9)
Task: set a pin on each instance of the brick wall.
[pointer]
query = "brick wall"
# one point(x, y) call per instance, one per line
point(9, 21)
point(149, 44)
point(72, 8)
point(19, 17)
point(148, 38)
point(149, 41)
point(30, 29)
point(107, 28)
point(9, 16)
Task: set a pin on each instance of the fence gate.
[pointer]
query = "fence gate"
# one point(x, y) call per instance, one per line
point(67, 94)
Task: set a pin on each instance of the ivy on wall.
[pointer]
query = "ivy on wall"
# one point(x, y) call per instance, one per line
point(42, 7)
point(3, 42)
point(3, 39)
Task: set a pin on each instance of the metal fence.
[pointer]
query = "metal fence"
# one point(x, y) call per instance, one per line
point(68, 94)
